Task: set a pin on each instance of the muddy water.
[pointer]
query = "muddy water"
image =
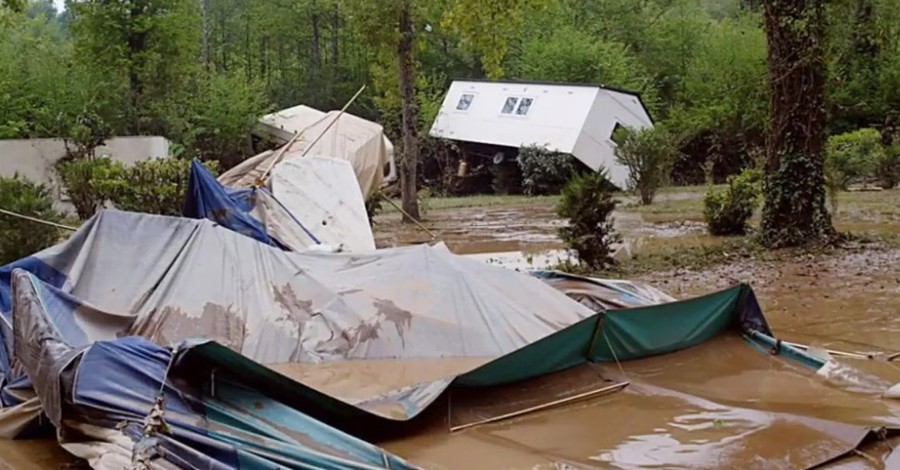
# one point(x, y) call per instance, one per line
point(721, 405)
point(528, 229)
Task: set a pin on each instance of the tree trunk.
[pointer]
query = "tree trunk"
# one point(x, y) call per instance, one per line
point(410, 154)
point(794, 212)
point(204, 34)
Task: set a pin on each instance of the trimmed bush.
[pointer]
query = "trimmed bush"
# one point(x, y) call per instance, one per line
point(728, 211)
point(156, 186)
point(88, 182)
point(19, 237)
point(649, 154)
point(587, 204)
point(853, 157)
point(889, 167)
point(543, 171)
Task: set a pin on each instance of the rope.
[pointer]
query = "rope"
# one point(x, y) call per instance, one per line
point(616, 357)
point(36, 220)
point(147, 448)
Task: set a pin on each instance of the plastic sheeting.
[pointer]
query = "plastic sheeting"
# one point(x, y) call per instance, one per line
point(252, 212)
point(320, 192)
point(601, 295)
point(350, 138)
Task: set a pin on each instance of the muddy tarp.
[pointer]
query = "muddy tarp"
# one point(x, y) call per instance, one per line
point(601, 295)
point(253, 211)
point(169, 278)
point(333, 135)
point(108, 388)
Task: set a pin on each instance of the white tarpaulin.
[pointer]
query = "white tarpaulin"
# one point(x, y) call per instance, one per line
point(319, 192)
point(345, 136)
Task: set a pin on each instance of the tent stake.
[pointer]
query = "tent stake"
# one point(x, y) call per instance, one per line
point(433, 236)
point(561, 401)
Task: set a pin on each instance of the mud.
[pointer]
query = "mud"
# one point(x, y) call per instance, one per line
point(849, 301)
point(528, 229)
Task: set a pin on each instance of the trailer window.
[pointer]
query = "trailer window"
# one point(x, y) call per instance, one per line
point(524, 106)
point(465, 101)
point(510, 105)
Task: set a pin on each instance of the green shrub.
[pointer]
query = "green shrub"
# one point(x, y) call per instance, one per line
point(156, 186)
point(543, 171)
point(889, 167)
point(587, 204)
point(853, 157)
point(19, 237)
point(649, 154)
point(728, 211)
point(89, 182)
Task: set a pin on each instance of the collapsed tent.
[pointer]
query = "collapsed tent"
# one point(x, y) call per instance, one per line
point(253, 211)
point(96, 327)
point(333, 134)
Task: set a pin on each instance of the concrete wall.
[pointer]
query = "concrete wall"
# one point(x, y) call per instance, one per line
point(35, 158)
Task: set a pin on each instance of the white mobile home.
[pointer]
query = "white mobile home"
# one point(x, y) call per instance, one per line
point(569, 118)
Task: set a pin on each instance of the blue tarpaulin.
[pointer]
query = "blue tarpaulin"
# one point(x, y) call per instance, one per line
point(232, 208)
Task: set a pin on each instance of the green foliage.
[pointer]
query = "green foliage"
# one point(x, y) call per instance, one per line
point(156, 186)
point(567, 54)
point(200, 73)
point(19, 237)
point(222, 118)
point(488, 28)
point(889, 167)
point(89, 182)
point(853, 157)
point(543, 171)
point(587, 204)
point(727, 211)
point(649, 154)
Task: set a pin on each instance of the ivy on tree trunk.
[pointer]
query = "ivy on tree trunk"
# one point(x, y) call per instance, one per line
point(410, 155)
point(794, 213)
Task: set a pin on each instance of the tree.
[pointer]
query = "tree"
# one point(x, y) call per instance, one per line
point(391, 26)
point(794, 212)
point(487, 28)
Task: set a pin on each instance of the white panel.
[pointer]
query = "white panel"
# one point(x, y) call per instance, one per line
point(553, 120)
point(323, 194)
point(595, 147)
